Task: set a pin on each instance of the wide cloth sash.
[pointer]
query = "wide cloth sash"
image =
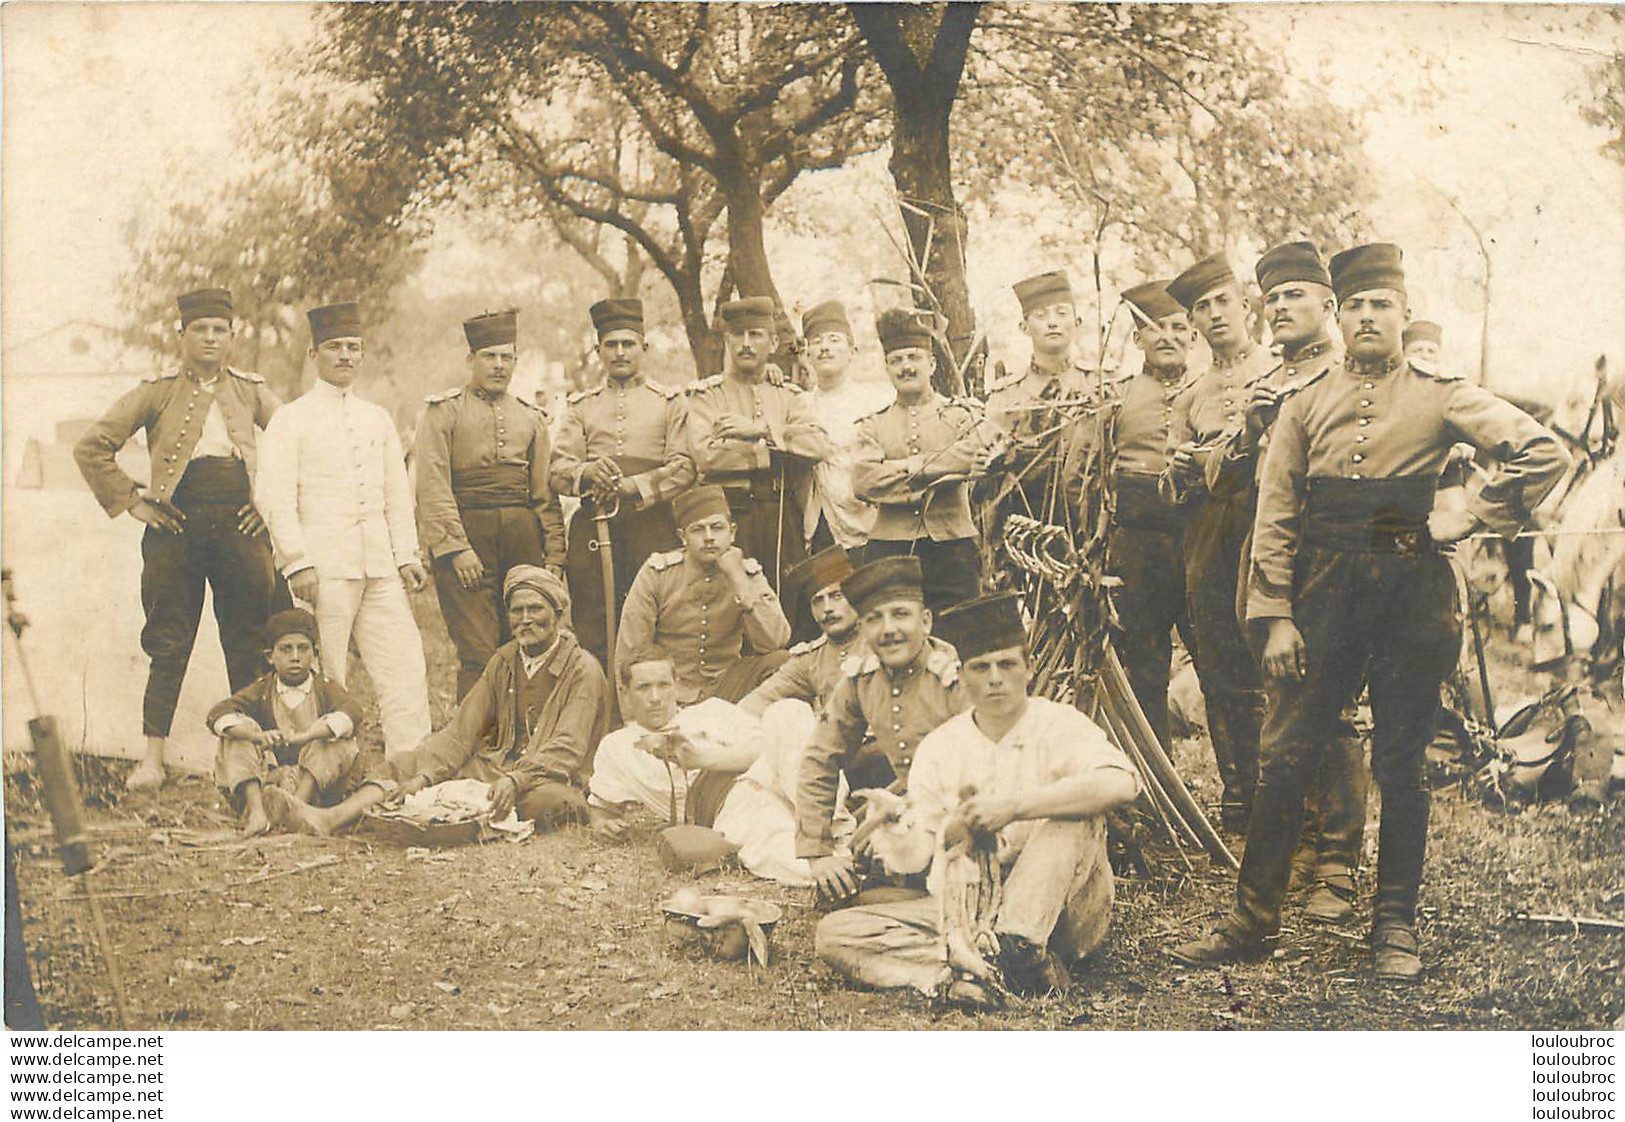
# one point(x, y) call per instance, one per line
point(492, 486)
point(1370, 515)
point(1142, 506)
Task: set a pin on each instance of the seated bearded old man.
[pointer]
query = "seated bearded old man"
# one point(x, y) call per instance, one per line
point(1015, 786)
point(683, 765)
point(528, 727)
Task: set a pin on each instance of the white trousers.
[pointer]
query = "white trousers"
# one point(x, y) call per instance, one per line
point(375, 610)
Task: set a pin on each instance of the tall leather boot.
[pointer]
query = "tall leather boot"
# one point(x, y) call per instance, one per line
point(1401, 851)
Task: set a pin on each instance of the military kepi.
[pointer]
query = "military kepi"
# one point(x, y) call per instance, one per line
point(699, 504)
point(205, 303)
point(883, 581)
point(493, 329)
point(1289, 262)
point(753, 311)
point(822, 569)
point(901, 328)
point(334, 321)
point(1200, 279)
point(1043, 290)
point(1424, 331)
point(1367, 267)
point(1152, 301)
point(988, 623)
point(825, 318)
point(625, 314)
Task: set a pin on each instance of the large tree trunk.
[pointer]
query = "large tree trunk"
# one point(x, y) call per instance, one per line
point(921, 49)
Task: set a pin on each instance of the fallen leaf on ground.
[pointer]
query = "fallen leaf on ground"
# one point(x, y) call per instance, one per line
point(560, 1008)
point(447, 987)
point(243, 941)
point(593, 884)
point(315, 910)
point(498, 1010)
point(665, 991)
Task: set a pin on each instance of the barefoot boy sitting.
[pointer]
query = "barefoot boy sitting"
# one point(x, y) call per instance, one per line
point(290, 727)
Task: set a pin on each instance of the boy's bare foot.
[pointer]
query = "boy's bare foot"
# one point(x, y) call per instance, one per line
point(255, 822)
point(148, 775)
point(288, 813)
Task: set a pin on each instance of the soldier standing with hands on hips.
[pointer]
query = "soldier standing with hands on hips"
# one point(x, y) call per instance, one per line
point(1347, 578)
point(202, 525)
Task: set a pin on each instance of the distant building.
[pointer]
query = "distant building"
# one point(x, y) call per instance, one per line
point(54, 385)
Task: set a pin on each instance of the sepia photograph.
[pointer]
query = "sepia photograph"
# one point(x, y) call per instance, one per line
point(1156, 469)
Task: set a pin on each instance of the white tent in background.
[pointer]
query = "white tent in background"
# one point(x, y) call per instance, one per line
point(78, 572)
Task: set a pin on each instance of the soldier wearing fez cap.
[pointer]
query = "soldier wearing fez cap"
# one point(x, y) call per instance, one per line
point(884, 703)
point(623, 448)
point(1035, 779)
point(332, 482)
point(1049, 317)
point(1347, 579)
point(704, 605)
point(1298, 306)
point(484, 504)
point(740, 428)
point(1424, 341)
point(1145, 550)
point(1208, 409)
point(813, 668)
point(902, 453)
point(202, 524)
point(837, 402)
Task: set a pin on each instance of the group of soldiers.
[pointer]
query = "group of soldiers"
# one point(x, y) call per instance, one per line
point(1273, 506)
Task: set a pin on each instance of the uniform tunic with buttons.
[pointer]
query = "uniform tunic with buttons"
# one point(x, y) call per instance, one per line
point(1395, 425)
point(905, 446)
point(783, 409)
point(1017, 406)
point(631, 418)
point(203, 448)
point(172, 408)
point(482, 465)
point(1215, 403)
point(466, 432)
point(695, 617)
point(643, 427)
point(893, 709)
point(810, 674)
point(768, 520)
point(1340, 548)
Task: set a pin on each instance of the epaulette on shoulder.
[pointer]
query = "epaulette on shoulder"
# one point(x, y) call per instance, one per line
point(752, 566)
point(809, 646)
point(579, 396)
point(536, 406)
point(165, 374)
point(968, 403)
point(444, 395)
point(702, 384)
point(665, 391)
point(660, 562)
point(246, 375)
point(944, 665)
point(857, 665)
point(1428, 370)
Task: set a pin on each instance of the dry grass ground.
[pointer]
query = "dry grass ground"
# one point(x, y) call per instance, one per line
point(565, 932)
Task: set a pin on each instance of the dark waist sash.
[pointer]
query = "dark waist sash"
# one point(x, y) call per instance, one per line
point(1370, 515)
point(490, 487)
point(1141, 505)
point(762, 484)
point(214, 479)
